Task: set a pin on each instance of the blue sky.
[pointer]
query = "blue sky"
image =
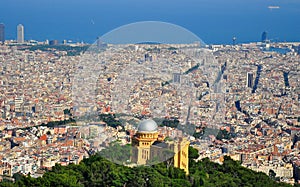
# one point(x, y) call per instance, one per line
point(214, 21)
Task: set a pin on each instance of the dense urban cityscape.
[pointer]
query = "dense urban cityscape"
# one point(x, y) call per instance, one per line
point(247, 94)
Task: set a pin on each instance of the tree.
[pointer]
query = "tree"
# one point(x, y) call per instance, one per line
point(193, 153)
point(272, 174)
point(67, 112)
point(17, 176)
point(98, 171)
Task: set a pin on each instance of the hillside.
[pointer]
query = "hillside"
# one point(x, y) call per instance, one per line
point(97, 171)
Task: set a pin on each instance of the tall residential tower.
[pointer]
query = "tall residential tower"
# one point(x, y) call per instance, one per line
point(20, 31)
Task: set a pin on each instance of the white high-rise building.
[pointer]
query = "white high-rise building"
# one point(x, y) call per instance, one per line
point(20, 31)
point(18, 104)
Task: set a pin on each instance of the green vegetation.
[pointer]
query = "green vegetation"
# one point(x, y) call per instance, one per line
point(97, 171)
point(193, 153)
point(155, 49)
point(172, 48)
point(117, 153)
point(170, 123)
point(110, 120)
point(59, 123)
point(231, 173)
point(67, 112)
point(205, 132)
point(165, 83)
point(71, 50)
point(223, 134)
point(198, 134)
point(220, 134)
point(192, 69)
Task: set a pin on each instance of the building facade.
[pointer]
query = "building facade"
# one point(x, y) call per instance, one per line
point(20, 33)
point(149, 147)
point(2, 32)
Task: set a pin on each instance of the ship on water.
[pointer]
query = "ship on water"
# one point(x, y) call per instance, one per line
point(273, 7)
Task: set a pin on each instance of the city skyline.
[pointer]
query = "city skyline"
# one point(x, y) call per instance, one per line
point(20, 36)
point(150, 93)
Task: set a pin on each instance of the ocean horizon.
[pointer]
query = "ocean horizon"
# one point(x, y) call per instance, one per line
point(215, 21)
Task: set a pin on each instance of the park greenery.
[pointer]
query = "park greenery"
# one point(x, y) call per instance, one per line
point(110, 120)
point(71, 50)
point(220, 134)
point(117, 153)
point(98, 171)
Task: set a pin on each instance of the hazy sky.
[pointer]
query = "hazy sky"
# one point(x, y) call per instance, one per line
point(214, 21)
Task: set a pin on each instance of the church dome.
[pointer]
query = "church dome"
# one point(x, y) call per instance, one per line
point(147, 126)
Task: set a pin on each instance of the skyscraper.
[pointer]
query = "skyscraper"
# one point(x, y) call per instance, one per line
point(250, 80)
point(264, 36)
point(20, 31)
point(2, 33)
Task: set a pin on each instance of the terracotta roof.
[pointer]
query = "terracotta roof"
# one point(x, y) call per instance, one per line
point(43, 137)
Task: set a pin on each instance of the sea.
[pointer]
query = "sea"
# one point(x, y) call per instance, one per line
point(214, 21)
